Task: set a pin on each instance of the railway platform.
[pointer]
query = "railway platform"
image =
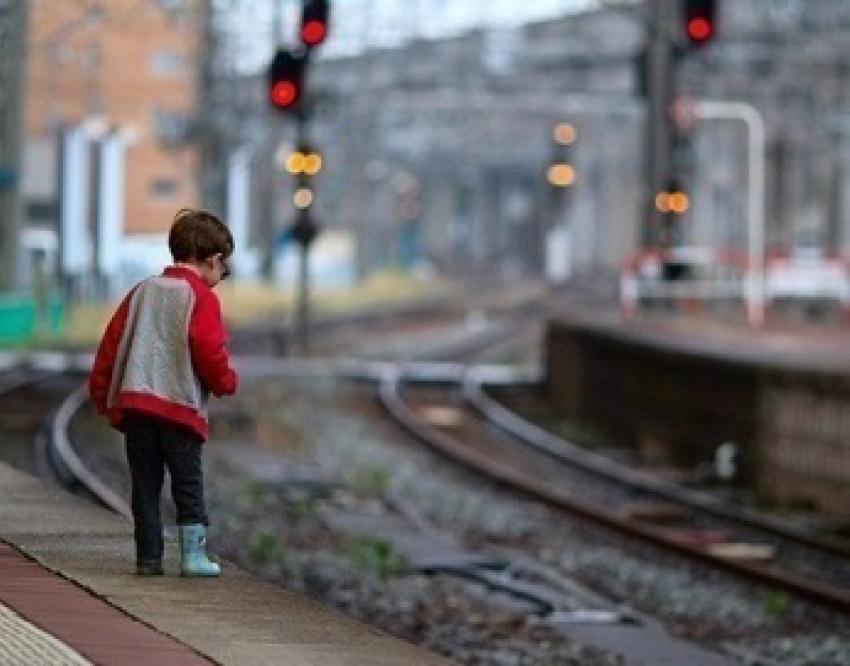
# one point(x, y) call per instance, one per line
point(68, 596)
point(676, 388)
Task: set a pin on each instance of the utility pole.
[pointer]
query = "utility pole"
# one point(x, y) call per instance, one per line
point(13, 32)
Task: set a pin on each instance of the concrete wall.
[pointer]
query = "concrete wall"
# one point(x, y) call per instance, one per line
point(676, 401)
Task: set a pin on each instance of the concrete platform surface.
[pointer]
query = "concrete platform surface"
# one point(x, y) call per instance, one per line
point(67, 589)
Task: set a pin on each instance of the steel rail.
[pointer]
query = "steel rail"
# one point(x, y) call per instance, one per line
point(60, 453)
point(491, 466)
point(62, 446)
point(567, 452)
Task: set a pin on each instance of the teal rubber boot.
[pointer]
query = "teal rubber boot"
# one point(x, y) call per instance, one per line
point(193, 552)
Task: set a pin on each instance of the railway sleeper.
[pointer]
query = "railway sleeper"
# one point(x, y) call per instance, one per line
point(558, 607)
point(428, 551)
point(654, 511)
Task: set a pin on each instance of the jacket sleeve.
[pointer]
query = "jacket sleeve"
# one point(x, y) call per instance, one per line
point(207, 347)
point(103, 367)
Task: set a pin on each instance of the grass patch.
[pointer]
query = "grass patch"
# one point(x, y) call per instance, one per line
point(377, 555)
point(373, 479)
point(85, 323)
point(776, 602)
point(252, 493)
point(246, 302)
point(265, 548)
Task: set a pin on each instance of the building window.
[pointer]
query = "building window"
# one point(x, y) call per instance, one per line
point(166, 63)
point(170, 127)
point(40, 211)
point(163, 189)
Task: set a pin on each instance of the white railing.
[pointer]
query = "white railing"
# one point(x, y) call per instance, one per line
point(682, 273)
point(807, 278)
point(699, 273)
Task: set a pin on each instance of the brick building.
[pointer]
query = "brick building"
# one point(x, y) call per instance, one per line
point(123, 69)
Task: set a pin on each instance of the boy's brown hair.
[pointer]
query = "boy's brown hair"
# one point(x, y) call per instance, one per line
point(198, 235)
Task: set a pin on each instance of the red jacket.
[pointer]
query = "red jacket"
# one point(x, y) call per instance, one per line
point(163, 352)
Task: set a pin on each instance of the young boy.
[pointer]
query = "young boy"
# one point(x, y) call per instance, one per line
point(162, 354)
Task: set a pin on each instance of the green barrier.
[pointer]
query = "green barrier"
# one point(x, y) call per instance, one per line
point(21, 320)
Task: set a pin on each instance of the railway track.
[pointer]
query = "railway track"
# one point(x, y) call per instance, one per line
point(759, 548)
point(44, 446)
point(427, 379)
point(447, 406)
point(39, 395)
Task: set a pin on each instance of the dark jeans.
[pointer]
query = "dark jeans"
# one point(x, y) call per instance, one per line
point(154, 445)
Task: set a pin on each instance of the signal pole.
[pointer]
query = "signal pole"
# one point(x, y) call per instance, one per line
point(305, 227)
point(676, 27)
point(287, 77)
point(660, 95)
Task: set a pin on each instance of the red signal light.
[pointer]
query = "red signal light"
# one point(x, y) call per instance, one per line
point(314, 22)
point(285, 77)
point(283, 93)
point(699, 21)
point(699, 29)
point(313, 32)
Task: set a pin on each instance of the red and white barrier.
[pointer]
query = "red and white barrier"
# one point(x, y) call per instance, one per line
point(806, 277)
point(708, 273)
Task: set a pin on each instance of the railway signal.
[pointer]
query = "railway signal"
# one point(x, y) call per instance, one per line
point(286, 80)
point(561, 172)
point(304, 160)
point(672, 203)
point(305, 230)
point(314, 22)
point(303, 163)
point(288, 95)
point(673, 200)
point(700, 21)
